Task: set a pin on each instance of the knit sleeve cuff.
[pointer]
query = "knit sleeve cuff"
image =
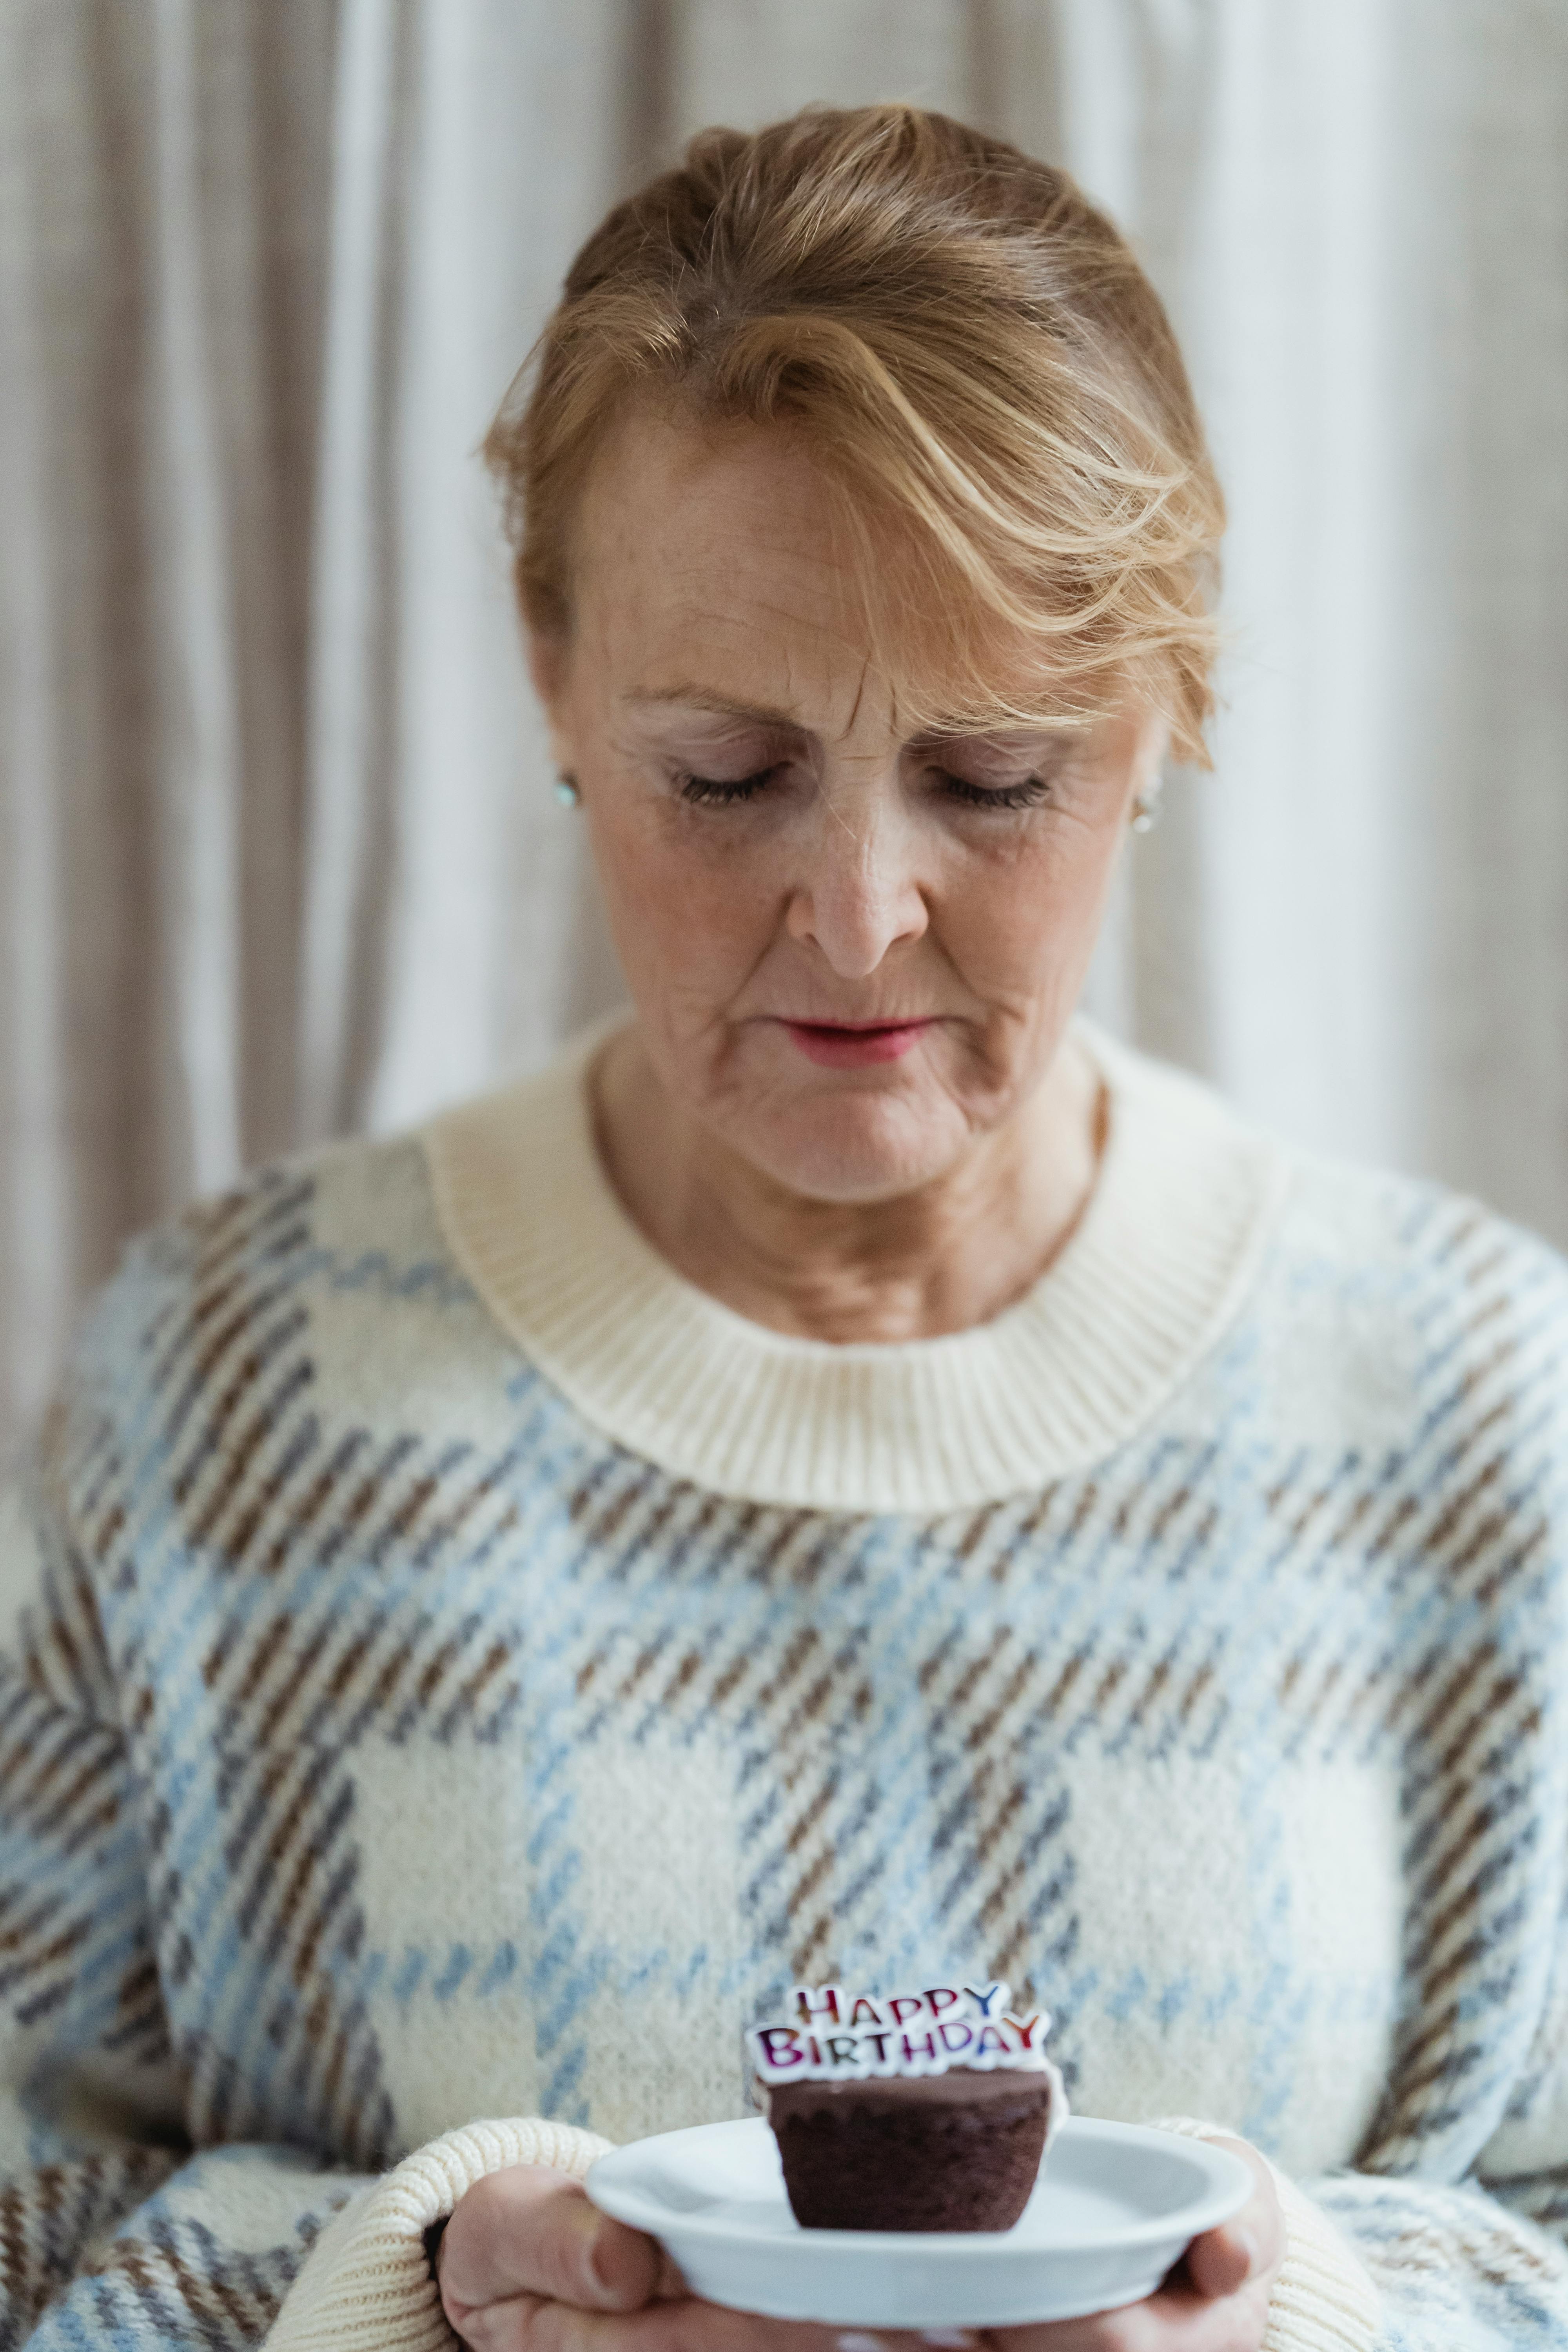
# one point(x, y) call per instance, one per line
point(366, 2285)
point(1323, 2300)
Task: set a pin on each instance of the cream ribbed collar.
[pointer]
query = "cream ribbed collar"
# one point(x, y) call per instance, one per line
point(1159, 1262)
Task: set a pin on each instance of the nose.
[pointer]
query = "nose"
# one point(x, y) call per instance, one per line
point(858, 894)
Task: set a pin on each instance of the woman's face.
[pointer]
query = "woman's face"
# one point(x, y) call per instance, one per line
point(852, 949)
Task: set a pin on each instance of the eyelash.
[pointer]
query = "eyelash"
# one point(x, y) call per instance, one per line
point(710, 791)
point(1028, 795)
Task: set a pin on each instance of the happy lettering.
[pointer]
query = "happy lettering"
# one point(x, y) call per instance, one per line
point(833, 2033)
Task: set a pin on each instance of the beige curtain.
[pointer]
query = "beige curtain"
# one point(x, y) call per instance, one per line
point(278, 855)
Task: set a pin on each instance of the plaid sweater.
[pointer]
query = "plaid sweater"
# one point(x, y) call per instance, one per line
point(452, 1669)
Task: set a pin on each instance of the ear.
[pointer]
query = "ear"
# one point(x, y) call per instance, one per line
point(548, 663)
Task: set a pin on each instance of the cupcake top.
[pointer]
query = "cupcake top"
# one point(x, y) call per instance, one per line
point(831, 2035)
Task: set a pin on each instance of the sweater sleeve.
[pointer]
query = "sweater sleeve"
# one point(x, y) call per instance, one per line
point(114, 2231)
point(1481, 2261)
point(367, 2286)
point(1376, 2263)
point(1455, 2265)
point(1323, 2299)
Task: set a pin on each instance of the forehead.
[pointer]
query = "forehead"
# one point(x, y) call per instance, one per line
point(723, 552)
point(724, 538)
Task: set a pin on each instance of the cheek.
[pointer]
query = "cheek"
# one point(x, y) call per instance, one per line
point(685, 919)
point(1027, 921)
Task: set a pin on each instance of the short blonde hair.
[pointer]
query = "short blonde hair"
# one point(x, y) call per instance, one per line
point(975, 361)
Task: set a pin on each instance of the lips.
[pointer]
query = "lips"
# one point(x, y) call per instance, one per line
point(845, 1045)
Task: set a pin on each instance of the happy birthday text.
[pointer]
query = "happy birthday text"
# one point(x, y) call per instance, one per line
point(835, 2033)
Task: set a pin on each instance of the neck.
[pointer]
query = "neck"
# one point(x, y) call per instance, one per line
point(943, 1258)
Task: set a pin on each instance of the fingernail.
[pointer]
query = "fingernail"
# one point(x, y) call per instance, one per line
point(1248, 2244)
point(949, 2339)
point(855, 2341)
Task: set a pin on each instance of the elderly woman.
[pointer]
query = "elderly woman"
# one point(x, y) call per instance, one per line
point(848, 1475)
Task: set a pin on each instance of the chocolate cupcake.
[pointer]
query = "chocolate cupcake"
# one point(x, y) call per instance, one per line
point(922, 2111)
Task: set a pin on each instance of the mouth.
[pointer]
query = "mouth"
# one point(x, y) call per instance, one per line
point(856, 1045)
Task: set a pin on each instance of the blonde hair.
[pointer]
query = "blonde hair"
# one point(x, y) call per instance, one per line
point(975, 361)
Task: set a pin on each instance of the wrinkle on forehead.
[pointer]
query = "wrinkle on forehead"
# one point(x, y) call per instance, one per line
point(726, 539)
point(721, 554)
point(859, 694)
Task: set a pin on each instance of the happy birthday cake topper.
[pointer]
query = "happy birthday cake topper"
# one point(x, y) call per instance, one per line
point(834, 2034)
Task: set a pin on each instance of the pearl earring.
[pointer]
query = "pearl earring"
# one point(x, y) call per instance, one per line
point(566, 791)
point(1146, 811)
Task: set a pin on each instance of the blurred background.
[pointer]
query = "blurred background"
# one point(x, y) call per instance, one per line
point(278, 856)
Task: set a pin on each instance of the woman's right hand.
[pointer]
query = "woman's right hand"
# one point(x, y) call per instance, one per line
point(527, 2264)
point(526, 2261)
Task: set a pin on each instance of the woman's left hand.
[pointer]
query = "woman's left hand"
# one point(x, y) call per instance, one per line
point(1216, 2300)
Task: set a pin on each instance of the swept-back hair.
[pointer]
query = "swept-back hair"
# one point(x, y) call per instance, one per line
point(973, 358)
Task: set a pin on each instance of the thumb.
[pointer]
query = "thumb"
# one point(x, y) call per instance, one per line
point(1221, 2262)
point(525, 2230)
point(1252, 2241)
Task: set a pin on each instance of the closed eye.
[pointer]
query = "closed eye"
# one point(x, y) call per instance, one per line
point(1030, 794)
point(713, 792)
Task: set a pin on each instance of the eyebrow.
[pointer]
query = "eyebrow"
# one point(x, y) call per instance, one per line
point(721, 706)
point(766, 714)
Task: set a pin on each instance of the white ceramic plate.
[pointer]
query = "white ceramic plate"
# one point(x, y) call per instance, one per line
point(1114, 2207)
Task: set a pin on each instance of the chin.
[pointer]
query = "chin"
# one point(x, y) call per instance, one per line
point(852, 1148)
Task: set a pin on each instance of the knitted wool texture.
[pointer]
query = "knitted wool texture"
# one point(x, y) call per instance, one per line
point(451, 1669)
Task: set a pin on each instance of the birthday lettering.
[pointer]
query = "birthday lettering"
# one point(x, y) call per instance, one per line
point(834, 2034)
point(781, 2047)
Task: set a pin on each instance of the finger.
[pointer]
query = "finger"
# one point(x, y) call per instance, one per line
point(1179, 2319)
point(1222, 2261)
point(1251, 2244)
point(524, 2230)
point(1175, 2318)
